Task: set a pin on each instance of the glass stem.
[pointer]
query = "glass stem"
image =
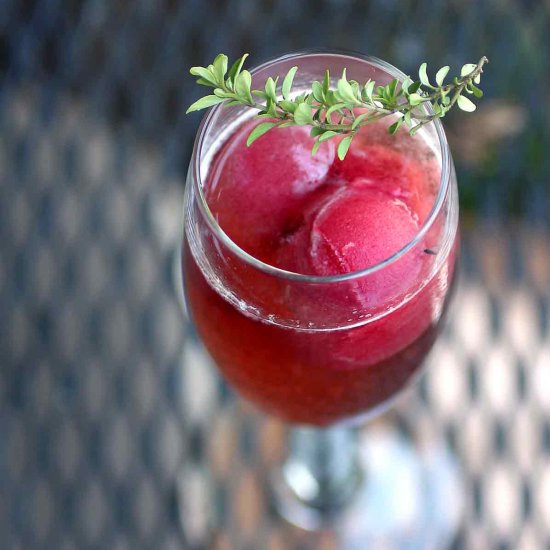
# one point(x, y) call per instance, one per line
point(323, 469)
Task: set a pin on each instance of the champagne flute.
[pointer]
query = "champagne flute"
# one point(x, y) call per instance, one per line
point(324, 352)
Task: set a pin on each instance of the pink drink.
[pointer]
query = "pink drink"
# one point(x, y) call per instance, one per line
point(322, 217)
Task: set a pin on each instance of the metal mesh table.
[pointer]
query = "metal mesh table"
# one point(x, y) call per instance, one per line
point(114, 430)
point(485, 393)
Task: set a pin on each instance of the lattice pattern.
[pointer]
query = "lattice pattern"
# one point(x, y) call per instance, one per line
point(484, 393)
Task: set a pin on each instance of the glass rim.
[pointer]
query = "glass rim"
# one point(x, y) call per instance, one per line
point(206, 123)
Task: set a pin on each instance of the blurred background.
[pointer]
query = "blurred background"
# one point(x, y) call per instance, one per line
point(114, 431)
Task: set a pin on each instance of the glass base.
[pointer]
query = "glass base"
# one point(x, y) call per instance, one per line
point(409, 498)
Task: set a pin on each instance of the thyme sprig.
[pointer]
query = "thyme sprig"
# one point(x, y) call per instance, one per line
point(341, 110)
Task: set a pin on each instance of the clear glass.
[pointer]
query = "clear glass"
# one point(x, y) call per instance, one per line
point(304, 347)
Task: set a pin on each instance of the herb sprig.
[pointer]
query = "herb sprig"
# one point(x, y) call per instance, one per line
point(333, 112)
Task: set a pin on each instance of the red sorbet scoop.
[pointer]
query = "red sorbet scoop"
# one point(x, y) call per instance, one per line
point(359, 228)
point(256, 192)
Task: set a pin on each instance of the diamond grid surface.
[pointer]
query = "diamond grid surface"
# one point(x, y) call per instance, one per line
point(479, 395)
point(115, 430)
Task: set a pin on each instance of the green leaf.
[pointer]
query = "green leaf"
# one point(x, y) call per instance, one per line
point(326, 82)
point(358, 120)
point(328, 134)
point(369, 88)
point(467, 69)
point(220, 67)
point(222, 93)
point(204, 75)
point(405, 84)
point(242, 85)
point(416, 99)
point(303, 115)
point(315, 131)
point(345, 91)
point(204, 103)
point(270, 89)
point(441, 74)
point(330, 98)
point(343, 146)
point(259, 131)
point(422, 74)
point(395, 126)
point(356, 89)
point(407, 118)
point(413, 88)
point(288, 106)
point(287, 124)
point(465, 104)
point(332, 109)
point(287, 82)
point(476, 91)
point(315, 148)
point(270, 108)
point(234, 103)
point(392, 86)
point(205, 82)
point(236, 67)
point(317, 91)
